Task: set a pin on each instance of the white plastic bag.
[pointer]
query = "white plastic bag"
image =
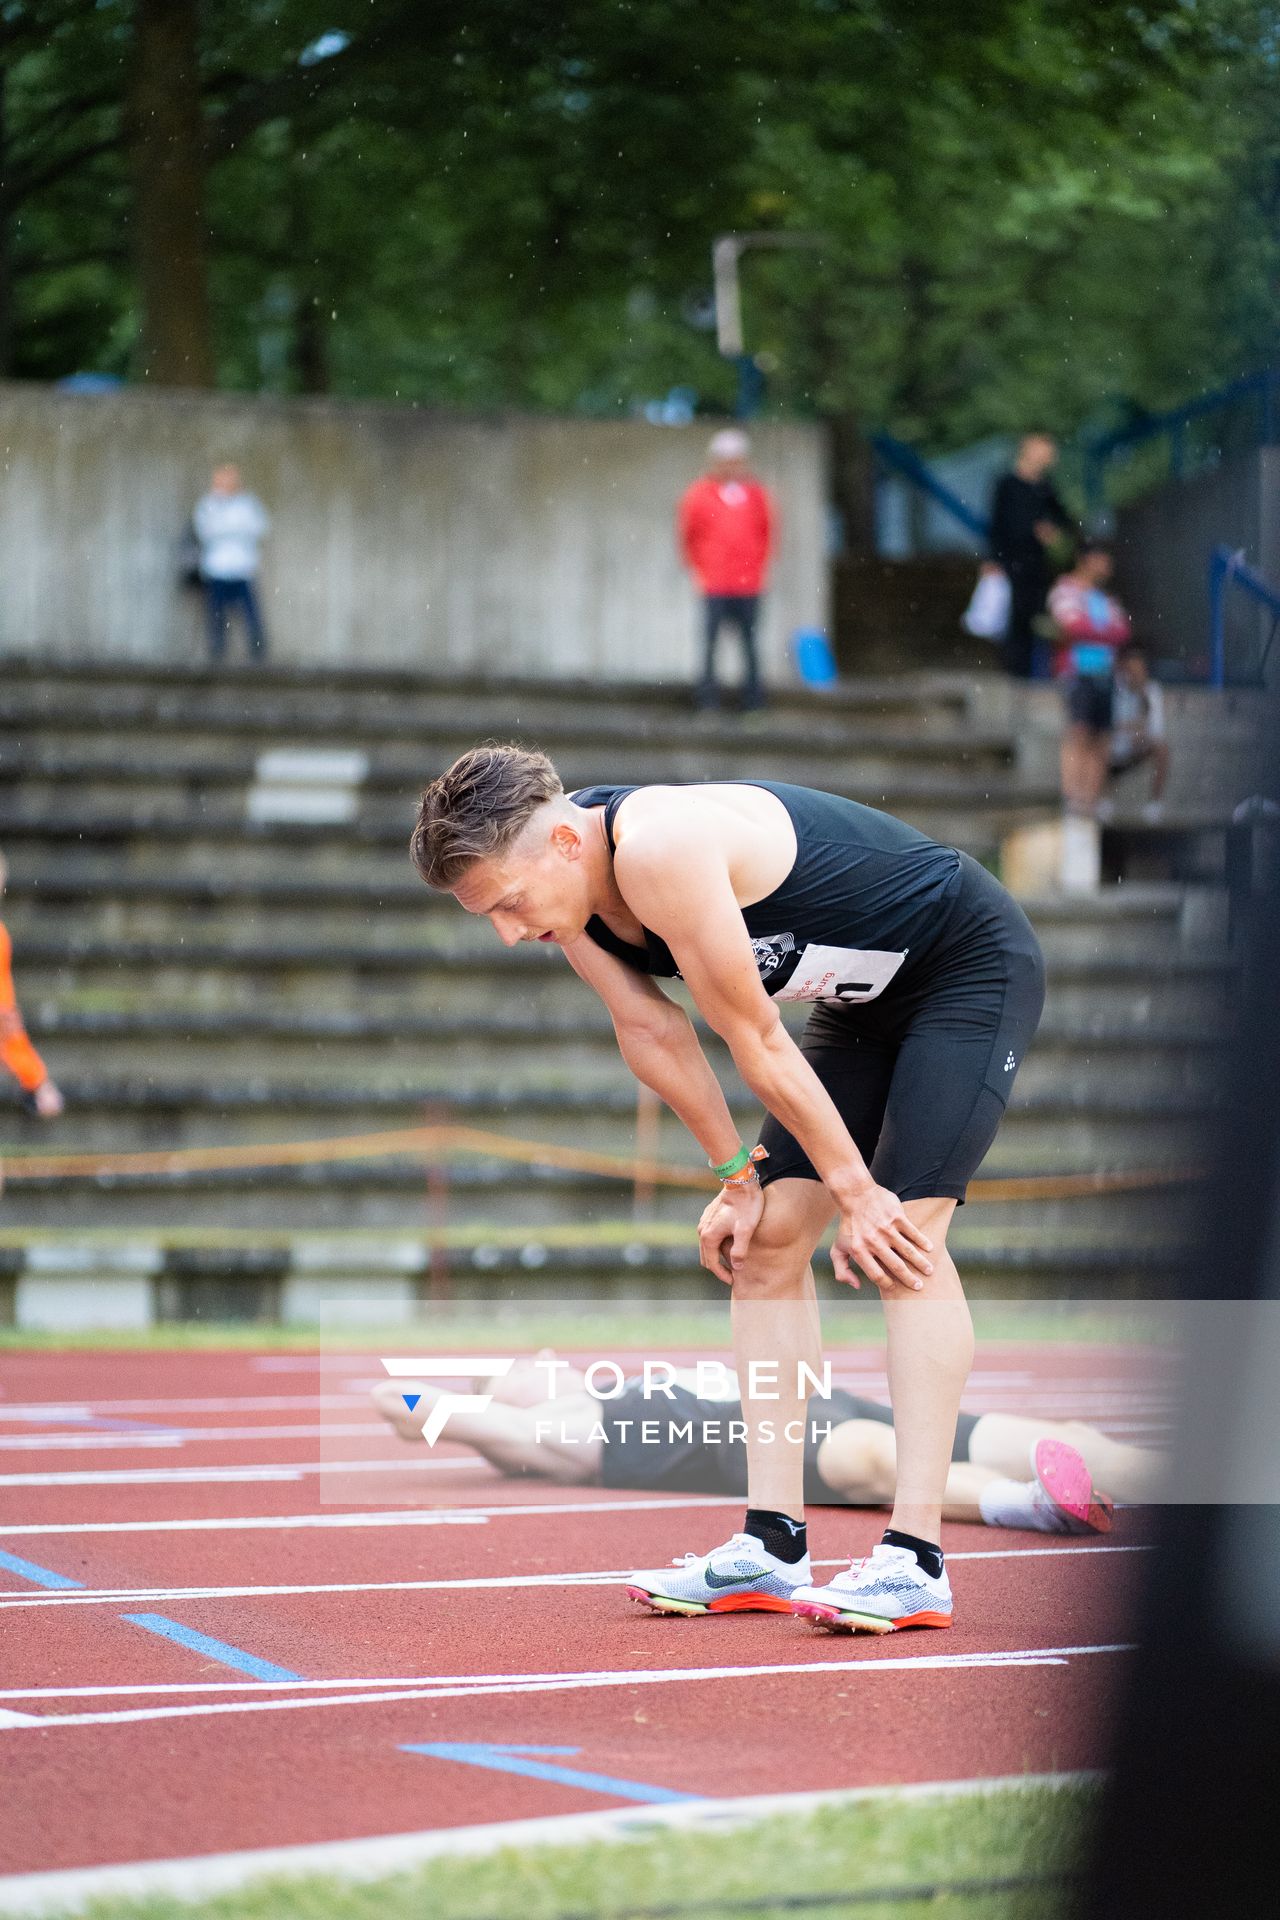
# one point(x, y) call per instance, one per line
point(987, 615)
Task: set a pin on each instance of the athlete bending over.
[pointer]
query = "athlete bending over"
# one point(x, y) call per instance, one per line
point(927, 985)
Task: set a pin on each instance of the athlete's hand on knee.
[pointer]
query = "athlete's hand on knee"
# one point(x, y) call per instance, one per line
point(879, 1236)
point(726, 1227)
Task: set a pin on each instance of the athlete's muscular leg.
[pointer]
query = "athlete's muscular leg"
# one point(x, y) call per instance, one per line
point(859, 1462)
point(775, 1325)
point(930, 1339)
point(1003, 1442)
point(554, 1440)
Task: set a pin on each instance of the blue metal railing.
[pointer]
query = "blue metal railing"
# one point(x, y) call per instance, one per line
point(1228, 569)
point(1259, 388)
point(902, 459)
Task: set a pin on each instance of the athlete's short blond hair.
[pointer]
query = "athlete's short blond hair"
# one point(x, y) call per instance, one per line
point(478, 808)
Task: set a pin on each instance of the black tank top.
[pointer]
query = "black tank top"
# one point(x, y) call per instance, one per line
point(865, 898)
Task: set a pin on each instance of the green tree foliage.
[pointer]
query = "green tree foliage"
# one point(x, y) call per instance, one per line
point(1027, 209)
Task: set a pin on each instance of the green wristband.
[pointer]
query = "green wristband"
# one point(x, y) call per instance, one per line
point(738, 1162)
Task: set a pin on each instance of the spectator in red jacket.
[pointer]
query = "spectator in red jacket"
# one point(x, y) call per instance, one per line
point(726, 526)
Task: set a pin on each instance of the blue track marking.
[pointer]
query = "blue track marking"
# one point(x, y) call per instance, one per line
point(212, 1649)
point(506, 1759)
point(39, 1576)
point(203, 1643)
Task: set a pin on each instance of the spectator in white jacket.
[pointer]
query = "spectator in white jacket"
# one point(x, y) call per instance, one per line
point(230, 525)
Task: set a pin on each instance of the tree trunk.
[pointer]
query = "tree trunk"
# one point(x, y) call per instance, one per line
point(853, 484)
point(6, 262)
point(310, 346)
point(166, 148)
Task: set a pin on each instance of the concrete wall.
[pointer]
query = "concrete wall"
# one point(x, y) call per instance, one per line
point(1163, 544)
point(514, 544)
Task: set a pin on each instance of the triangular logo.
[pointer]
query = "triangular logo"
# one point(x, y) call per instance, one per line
point(411, 1400)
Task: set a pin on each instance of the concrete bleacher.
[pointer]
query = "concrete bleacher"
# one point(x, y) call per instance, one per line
point(197, 974)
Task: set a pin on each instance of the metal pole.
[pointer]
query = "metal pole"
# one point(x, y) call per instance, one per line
point(726, 250)
point(1220, 566)
point(648, 1120)
point(724, 263)
point(439, 1283)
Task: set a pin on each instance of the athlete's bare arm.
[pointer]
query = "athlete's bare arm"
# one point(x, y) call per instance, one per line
point(658, 1043)
point(679, 884)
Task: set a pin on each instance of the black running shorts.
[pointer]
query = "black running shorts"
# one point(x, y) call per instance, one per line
point(1089, 702)
point(686, 1445)
point(921, 1076)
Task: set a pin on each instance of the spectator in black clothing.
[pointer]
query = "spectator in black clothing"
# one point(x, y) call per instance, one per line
point(1027, 520)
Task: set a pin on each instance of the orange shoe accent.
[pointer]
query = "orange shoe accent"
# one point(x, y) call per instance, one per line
point(727, 1603)
point(750, 1603)
point(838, 1621)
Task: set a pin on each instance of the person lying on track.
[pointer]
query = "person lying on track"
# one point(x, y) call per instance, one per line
point(926, 984)
point(1007, 1470)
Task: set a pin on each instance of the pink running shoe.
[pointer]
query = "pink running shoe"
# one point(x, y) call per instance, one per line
point(1066, 1481)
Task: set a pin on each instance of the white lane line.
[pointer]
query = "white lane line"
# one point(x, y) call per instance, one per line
point(373, 1429)
point(93, 1437)
point(202, 1876)
point(500, 1581)
point(1033, 1553)
point(113, 1596)
point(502, 1686)
point(398, 1517)
point(177, 1476)
point(101, 1409)
point(88, 1439)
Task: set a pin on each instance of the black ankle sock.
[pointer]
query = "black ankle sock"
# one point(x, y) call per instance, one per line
point(777, 1533)
point(927, 1555)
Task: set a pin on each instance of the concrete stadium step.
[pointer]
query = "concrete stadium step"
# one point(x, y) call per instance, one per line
point(1058, 1127)
point(72, 778)
point(159, 1045)
point(195, 977)
point(106, 900)
point(1219, 739)
point(64, 1283)
point(973, 813)
point(329, 704)
point(184, 759)
point(89, 974)
point(488, 1199)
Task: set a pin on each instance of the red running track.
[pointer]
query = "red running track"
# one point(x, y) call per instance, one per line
point(120, 1742)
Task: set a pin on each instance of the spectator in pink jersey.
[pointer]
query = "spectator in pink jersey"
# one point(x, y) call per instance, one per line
point(726, 529)
point(1091, 625)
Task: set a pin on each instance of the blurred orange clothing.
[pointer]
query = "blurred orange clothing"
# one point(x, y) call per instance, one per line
point(16, 1051)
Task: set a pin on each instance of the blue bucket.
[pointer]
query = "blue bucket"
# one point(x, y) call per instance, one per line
point(814, 660)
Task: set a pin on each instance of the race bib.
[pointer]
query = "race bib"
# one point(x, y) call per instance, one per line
point(848, 974)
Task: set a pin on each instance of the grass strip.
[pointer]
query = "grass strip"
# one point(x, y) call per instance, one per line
point(834, 1856)
point(579, 1326)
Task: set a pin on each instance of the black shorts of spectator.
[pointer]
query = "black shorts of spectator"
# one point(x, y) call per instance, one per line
point(1089, 699)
